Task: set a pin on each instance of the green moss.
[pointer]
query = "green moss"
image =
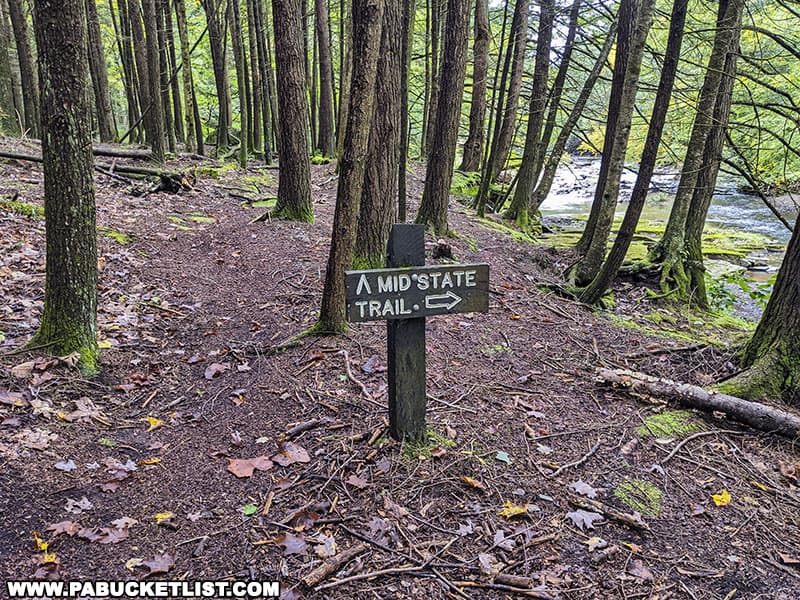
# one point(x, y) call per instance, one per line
point(369, 262)
point(217, 172)
point(199, 217)
point(174, 219)
point(23, 208)
point(641, 496)
point(515, 234)
point(257, 181)
point(670, 424)
point(263, 203)
point(318, 159)
point(414, 450)
point(120, 237)
point(302, 215)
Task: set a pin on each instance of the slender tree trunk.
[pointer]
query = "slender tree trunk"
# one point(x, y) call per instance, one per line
point(155, 112)
point(526, 178)
point(294, 177)
point(241, 75)
point(107, 128)
point(669, 250)
point(597, 288)
point(409, 12)
point(142, 82)
point(325, 132)
point(255, 70)
point(379, 198)
point(30, 85)
point(367, 19)
point(177, 107)
point(216, 37)
point(590, 264)
point(346, 80)
point(473, 147)
point(271, 81)
point(437, 6)
point(433, 209)
point(8, 118)
point(69, 321)
point(519, 37)
point(186, 73)
point(122, 28)
point(163, 78)
point(772, 357)
point(257, 30)
point(707, 180)
point(313, 83)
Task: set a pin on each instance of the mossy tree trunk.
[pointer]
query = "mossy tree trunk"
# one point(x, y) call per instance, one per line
point(527, 174)
point(325, 132)
point(186, 73)
point(473, 147)
point(294, 176)
point(433, 209)
point(69, 322)
point(379, 200)
point(367, 25)
point(669, 250)
point(30, 86)
point(8, 118)
point(771, 360)
point(174, 80)
point(107, 128)
point(156, 108)
point(597, 288)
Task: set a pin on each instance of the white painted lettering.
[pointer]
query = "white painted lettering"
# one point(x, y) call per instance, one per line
point(361, 306)
point(385, 284)
point(447, 281)
point(388, 309)
point(374, 308)
point(422, 282)
point(363, 283)
point(469, 278)
point(458, 275)
point(401, 307)
point(403, 282)
point(435, 279)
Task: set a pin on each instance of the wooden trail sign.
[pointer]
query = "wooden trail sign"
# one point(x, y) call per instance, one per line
point(404, 295)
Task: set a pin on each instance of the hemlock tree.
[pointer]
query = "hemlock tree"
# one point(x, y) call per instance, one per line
point(367, 19)
point(433, 209)
point(106, 126)
point(8, 119)
point(772, 357)
point(69, 322)
point(30, 87)
point(473, 147)
point(155, 111)
point(325, 142)
point(294, 176)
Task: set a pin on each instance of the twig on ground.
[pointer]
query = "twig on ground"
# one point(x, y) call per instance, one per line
point(633, 520)
point(578, 462)
point(333, 564)
point(694, 436)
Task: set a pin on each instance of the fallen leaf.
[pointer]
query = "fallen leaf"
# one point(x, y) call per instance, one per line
point(124, 523)
point(149, 461)
point(394, 508)
point(489, 565)
point(583, 488)
point(244, 467)
point(789, 560)
point(595, 543)
point(291, 453)
point(164, 517)
point(64, 527)
point(12, 399)
point(357, 482)
point(23, 370)
point(511, 510)
point(40, 544)
point(132, 563)
point(153, 423)
point(66, 466)
point(249, 510)
point(161, 563)
point(584, 519)
point(78, 506)
point(326, 546)
point(110, 535)
point(721, 499)
point(638, 569)
point(503, 457)
point(789, 470)
point(215, 370)
point(473, 483)
point(500, 540)
point(292, 544)
point(85, 410)
point(697, 510)
point(465, 529)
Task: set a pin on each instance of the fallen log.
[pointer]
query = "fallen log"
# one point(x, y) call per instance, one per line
point(111, 151)
point(756, 415)
point(124, 169)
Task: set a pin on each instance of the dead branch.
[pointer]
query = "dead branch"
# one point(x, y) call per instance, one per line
point(631, 519)
point(333, 564)
point(757, 415)
point(578, 462)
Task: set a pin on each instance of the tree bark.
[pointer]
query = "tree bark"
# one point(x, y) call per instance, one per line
point(434, 32)
point(526, 178)
point(216, 36)
point(409, 11)
point(177, 107)
point(142, 82)
point(379, 199)
point(155, 112)
point(367, 20)
point(164, 78)
point(107, 128)
point(325, 133)
point(264, 69)
point(473, 147)
point(668, 251)
point(122, 27)
point(8, 118)
point(30, 85)
point(258, 104)
point(758, 416)
point(188, 87)
point(595, 290)
point(69, 321)
point(240, 60)
point(433, 209)
point(294, 177)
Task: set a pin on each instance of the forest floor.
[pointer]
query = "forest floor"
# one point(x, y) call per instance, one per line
point(201, 454)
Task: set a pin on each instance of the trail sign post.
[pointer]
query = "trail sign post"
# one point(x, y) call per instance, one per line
point(403, 295)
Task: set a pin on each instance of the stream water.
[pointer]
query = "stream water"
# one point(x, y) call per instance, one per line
point(573, 190)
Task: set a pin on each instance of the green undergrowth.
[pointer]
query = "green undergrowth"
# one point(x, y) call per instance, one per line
point(716, 329)
point(641, 496)
point(676, 424)
point(25, 209)
point(425, 449)
point(217, 171)
point(120, 237)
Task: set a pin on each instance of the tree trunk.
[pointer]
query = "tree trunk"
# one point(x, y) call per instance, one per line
point(433, 209)
point(345, 68)
point(264, 77)
point(30, 86)
point(519, 41)
point(707, 180)
point(142, 82)
point(294, 177)
point(69, 321)
point(156, 112)
point(473, 147)
point(379, 199)
point(434, 32)
point(122, 28)
point(8, 118)
point(216, 36)
point(271, 81)
point(241, 75)
point(674, 279)
point(325, 133)
point(258, 103)
point(409, 11)
point(590, 264)
point(594, 292)
point(367, 19)
point(97, 67)
point(188, 87)
point(526, 178)
point(164, 78)
point(177, 108)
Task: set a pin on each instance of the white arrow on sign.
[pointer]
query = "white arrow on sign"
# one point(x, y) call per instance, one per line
point(442, 300)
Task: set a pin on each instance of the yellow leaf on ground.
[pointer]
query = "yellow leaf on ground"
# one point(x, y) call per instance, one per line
point(40, 544)
point(721, 499)
point(511, 510)
point(150, 461)
point(50, 558)
point(162, 517)
point(472, 482)
point(153, 423)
